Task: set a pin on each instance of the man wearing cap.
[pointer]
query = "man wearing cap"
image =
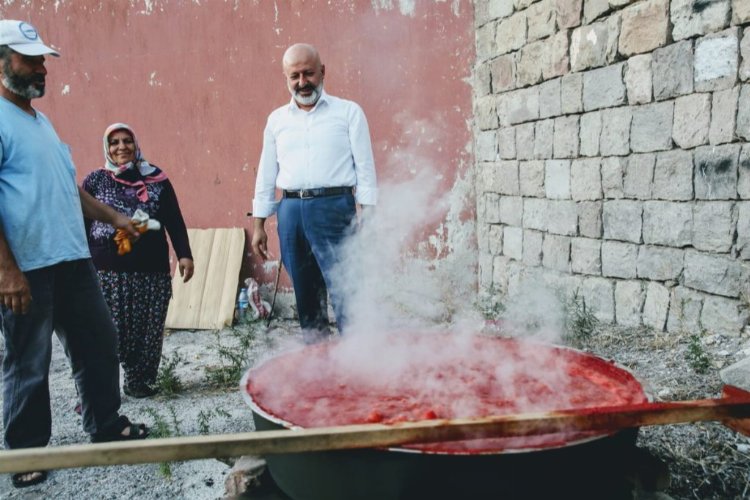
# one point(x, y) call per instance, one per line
point(47, 280)
point(317, 150)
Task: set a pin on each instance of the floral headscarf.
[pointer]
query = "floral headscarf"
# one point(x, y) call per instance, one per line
point(126, 173)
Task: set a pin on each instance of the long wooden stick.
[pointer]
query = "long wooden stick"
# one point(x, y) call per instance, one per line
point(371, 435)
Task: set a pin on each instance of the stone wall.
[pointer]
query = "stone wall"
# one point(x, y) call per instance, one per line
point(612, 156)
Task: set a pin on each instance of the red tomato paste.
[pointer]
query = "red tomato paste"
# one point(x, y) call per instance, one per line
point(410, 377)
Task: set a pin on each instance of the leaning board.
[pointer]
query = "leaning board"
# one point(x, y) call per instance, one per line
point(206, 302)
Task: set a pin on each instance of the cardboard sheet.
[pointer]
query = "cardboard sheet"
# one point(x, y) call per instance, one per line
point(207, 301)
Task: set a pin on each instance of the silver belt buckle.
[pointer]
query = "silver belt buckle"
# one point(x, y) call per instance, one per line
point(305, 194)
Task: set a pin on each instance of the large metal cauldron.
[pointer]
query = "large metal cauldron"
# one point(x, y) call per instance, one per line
point(583, 467)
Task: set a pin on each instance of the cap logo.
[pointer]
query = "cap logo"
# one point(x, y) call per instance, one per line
point(28, 31)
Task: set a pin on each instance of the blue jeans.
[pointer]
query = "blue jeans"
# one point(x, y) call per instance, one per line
point(66, 298)
point(311, 232)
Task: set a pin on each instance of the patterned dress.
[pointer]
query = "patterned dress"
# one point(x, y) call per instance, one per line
point(137, 286)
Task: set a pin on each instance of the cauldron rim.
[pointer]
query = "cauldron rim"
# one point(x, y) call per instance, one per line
point(255, 408)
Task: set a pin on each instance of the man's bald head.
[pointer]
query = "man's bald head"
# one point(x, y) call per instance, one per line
point(304, 74)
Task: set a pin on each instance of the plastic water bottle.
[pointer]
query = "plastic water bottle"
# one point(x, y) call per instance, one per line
point(242, 304)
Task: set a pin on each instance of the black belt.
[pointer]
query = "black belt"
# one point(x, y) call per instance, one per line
point(317, 192)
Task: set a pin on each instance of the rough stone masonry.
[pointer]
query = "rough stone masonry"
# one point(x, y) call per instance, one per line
point(612, 156)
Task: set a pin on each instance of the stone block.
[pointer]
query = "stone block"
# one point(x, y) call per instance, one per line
point(550, 103)
point(491, 207)
point(740, 12)
point(716, 172)
point(613, 169)
point(486, 181)
point(556, 252)
point(522, 4)
point(690, 18)
point(639, 175)
point(629, 298)
point(531, 177)
point(557, 179)
point(568, 13)
point(592, 9)
point(562, 217)
point(591, 131)
point(495, 239)
point(713, 228)
point(506, 143)
point(615, 137)
point(525, 141)
point(529, 69)
point(482, 79)
point(487, 145)
point(594, 45)
point(511, 33)
point(724, 316)
point(532, 247)
point(744, 69)
point(566, 137)
point(535, 212)
point(604, 87)
point(743, 230)
point(619, 259)
point(673, 175)
point(645, 27)
point(485, 270)
point(585, 256)
point(499, 8)
point(659, 263)
point(599, 296)
point(502, 106)
point(510, 210)
point(485, 42)
point(507, 172)
point(684, 310)
point(586, 179)
point(651, 128)
point(692, 117)
point(715, 274)
point(667, 223)
point(743, 183)
point(544, 136)
point(743, 113)
point(672, 68)
point(590, 219)
point(523, 105)
point(571, 90)
point(638, 79)
point(717, 61)
point(483, 237)
point(622, 220)
point(486, 113)
point(513, 242)
point(556, 62)
point(503, 71)
point(499, 269)
point(723, 115)
point(541, 18)
point(656, 306)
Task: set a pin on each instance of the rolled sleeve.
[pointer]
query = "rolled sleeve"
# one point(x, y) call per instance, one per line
point(364, 163)
point(264, 202)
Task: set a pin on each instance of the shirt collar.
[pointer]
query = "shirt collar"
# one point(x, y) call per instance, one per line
point(293, 106)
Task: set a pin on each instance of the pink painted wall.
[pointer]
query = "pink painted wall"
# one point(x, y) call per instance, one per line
point(197, 79)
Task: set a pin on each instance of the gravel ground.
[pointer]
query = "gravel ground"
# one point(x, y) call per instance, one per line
point(705, 461)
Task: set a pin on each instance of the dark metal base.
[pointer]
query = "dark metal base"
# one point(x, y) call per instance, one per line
point(592, 470)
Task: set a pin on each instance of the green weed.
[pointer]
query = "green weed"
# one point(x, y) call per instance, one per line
point(167, 380)
point(696, 356)
point(163, 428)
point(205, 417)
point(580, 321)
point(234, 357)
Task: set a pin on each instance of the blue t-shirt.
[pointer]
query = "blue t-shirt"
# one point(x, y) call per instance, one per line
point(40, 210)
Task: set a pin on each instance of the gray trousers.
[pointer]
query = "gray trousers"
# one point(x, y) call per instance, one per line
point(66, 298)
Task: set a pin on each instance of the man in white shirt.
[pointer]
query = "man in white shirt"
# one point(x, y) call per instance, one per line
point(317, 151)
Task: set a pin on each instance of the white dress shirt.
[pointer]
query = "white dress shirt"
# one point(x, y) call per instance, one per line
point(328, 146)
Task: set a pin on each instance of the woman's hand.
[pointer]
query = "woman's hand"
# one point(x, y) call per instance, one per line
point(186, 269)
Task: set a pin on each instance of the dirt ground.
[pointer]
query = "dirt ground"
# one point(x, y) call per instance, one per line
point(705, 461)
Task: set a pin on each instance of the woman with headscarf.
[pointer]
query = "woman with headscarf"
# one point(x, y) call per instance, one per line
point(137, 285)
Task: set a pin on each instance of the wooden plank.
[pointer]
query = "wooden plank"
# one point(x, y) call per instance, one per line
point(371, 435)
point(207, 301)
